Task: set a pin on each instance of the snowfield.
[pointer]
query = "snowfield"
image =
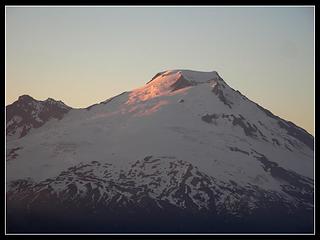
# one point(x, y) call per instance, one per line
point(185, 140)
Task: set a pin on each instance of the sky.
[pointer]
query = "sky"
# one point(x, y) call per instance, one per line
point(84, 55)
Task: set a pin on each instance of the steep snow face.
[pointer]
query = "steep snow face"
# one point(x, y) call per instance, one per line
point(183, 115)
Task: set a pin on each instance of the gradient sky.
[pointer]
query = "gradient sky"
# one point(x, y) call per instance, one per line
point(84, 55)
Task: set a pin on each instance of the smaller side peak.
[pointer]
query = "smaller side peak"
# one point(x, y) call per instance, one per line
point(25, 97)
point(56, 102)
point(50, 100)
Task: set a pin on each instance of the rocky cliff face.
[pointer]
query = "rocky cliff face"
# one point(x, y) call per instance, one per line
point(27, 113)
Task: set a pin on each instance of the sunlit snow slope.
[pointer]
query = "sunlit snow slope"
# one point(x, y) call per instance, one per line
point(185, 144)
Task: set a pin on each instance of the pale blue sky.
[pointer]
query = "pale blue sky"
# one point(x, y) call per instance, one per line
point(85, 55)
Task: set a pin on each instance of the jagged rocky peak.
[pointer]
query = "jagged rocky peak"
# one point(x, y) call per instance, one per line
point(27, 113)
point(57, 102)
point(51, 100)
point(25, 98)
point(28, 99)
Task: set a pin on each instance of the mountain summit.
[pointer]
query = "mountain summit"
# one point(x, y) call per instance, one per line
point(183, 153)
point(167, 82)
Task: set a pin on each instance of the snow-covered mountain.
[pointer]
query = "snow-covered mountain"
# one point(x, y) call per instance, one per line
point(184, 153)
point(27, 113)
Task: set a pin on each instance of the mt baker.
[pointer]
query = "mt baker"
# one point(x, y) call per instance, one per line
point(185, 153)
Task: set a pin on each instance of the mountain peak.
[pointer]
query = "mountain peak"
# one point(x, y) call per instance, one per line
point(25, 97)
point(166, 82)
point(50, 100)
point(190, 75)
point(57, 102)
point(185, 144)
point(27, 113)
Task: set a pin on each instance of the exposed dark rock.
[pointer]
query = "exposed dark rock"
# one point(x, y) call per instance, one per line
point(298, 133)
point(241, 95)
point(293, 130)
point(275, 141)
point(208, 118)
point(26, 129)
point(25, 98)
point(290, 142)
point(52, 110)
point(267, 112)
point(217, 91)
point(262, 135)
point(286, 146)
point(180, 83)
point(241, 117)
point(294, 184)
point(12, 153)
point(147, 158)
point(110, 204)
point(235, 149)
point(248, 130)
point(25, 108)
point(267, 165)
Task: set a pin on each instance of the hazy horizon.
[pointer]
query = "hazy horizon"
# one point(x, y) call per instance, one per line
point(83, 56)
